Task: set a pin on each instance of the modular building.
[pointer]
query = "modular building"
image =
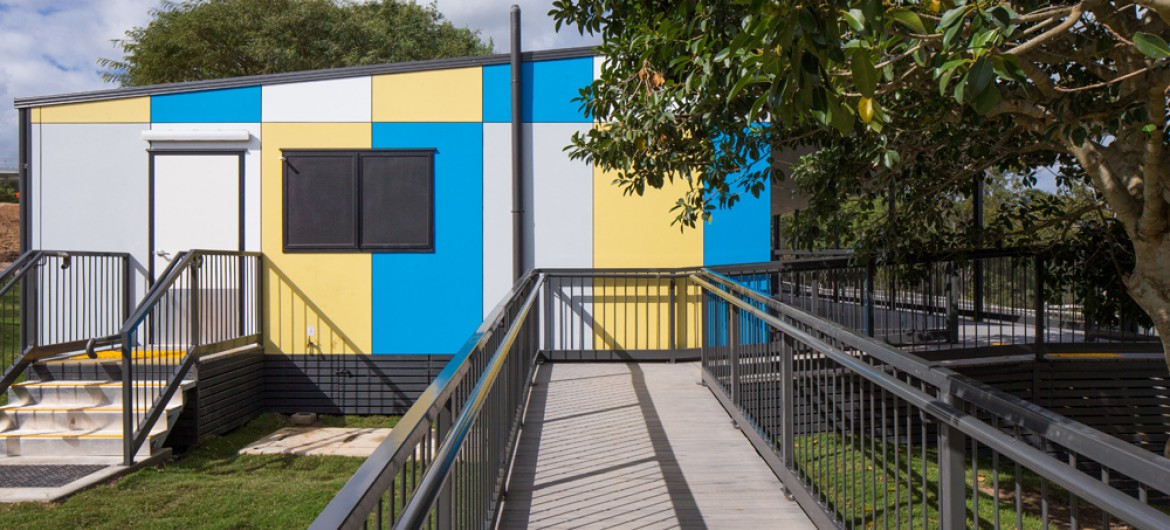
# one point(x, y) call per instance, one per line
point(379, 196)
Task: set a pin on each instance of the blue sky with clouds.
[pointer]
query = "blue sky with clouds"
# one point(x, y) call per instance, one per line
point(52, 46)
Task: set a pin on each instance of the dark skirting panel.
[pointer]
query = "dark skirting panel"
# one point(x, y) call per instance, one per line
point(347, 384)
point(228, 393)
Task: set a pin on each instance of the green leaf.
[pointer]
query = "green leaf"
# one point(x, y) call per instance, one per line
point(945, 80)
point(864, 74)
point(985, 100)
point(910, 19)
point(891, 158)
point(855, 19)
point(1003, 16)
point(741, 84)
point(1149, 128)
point(982, 72)
point(1151, 45)
point(952, 17)
point(842, 120)
point(951, 65)
point(1008, 67)
point(807, 21)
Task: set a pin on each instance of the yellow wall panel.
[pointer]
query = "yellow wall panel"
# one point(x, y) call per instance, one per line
point(635, 314)
point(330, 292)
point(35, 115)
point(434, 96)
point(633, 231)
point(132, 110)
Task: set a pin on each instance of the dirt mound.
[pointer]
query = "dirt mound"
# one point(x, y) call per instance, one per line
point(9, 232)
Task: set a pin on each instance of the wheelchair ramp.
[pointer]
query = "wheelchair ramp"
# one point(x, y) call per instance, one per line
point(634, 445)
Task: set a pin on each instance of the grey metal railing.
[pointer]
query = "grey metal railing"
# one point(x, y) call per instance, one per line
point(59, 303)
point(863, 435)
point(446, 462)
point(205, 302)
point(867, 436)
point(1003, 300)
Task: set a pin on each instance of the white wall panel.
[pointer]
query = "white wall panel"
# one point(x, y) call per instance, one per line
point(333, 101)
point(558, 198)
point(497, 213)
point(568, 314)
point(251, 167)
point(92, 188)
point(35, 185)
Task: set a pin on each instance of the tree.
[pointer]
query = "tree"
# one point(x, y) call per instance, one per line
point(208, 39)
point(924, 95)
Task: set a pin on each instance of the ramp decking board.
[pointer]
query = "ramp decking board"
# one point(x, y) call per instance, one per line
point(614, 445)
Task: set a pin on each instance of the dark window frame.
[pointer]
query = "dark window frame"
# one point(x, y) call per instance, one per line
point(357, 179)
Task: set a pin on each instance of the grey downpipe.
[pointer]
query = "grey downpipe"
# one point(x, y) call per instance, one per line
point(517, 153)
point(24, 188)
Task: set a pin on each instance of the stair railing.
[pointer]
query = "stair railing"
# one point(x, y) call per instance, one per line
point(59, 304)
point(205, 302)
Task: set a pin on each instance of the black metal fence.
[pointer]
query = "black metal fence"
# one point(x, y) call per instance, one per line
point(866, 436)
point(445, 464)
point(205, 302)
point(60, 302)
point(962, 301)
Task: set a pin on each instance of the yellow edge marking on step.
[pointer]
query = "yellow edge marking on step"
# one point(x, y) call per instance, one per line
point(1098, 355)
point(82, 384)
point(57, 409)
point(117, 354)
point(61, 435)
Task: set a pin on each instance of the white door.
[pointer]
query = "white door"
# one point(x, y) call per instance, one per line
point(196, 204)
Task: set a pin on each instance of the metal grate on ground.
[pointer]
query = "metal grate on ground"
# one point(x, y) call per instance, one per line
point(44, 476)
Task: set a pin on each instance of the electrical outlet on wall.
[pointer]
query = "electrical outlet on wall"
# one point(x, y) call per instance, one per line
point(311, 331)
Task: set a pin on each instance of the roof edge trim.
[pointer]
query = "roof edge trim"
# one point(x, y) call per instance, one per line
point(300, 77)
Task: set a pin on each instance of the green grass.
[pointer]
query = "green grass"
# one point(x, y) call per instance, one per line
point(210, 486)
point(870, 492)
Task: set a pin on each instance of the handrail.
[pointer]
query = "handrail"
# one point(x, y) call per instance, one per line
point(1134, 462)
point(1073, 480)
point(179, 323)
point(103, 304)
point(352, 504)
point(416, 510)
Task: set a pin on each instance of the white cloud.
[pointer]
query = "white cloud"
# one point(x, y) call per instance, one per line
point(491, 17)
point(51, 47)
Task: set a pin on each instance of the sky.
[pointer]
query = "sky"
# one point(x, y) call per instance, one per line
point(51, 47)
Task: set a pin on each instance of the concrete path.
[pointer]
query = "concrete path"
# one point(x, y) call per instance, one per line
point(634, 445)
point(322, 441)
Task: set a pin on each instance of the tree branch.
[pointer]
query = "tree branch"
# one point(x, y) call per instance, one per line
point(1110, 185)
point(1153, 218)
point(1074, 16)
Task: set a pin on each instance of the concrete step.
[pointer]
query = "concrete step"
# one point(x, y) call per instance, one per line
point(78, 418)
point(75, 444)
point(84, 419)
point(80, 393)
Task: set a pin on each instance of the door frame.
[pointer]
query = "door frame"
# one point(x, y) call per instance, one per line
point(238, 153)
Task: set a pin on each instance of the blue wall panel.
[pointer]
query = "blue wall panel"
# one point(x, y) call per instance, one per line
point(497, 94)
point(549, 90)
point(743, 233)
point(432, 302)
point(232, 105)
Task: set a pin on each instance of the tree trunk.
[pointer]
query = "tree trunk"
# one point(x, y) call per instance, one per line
point(1149, 285)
